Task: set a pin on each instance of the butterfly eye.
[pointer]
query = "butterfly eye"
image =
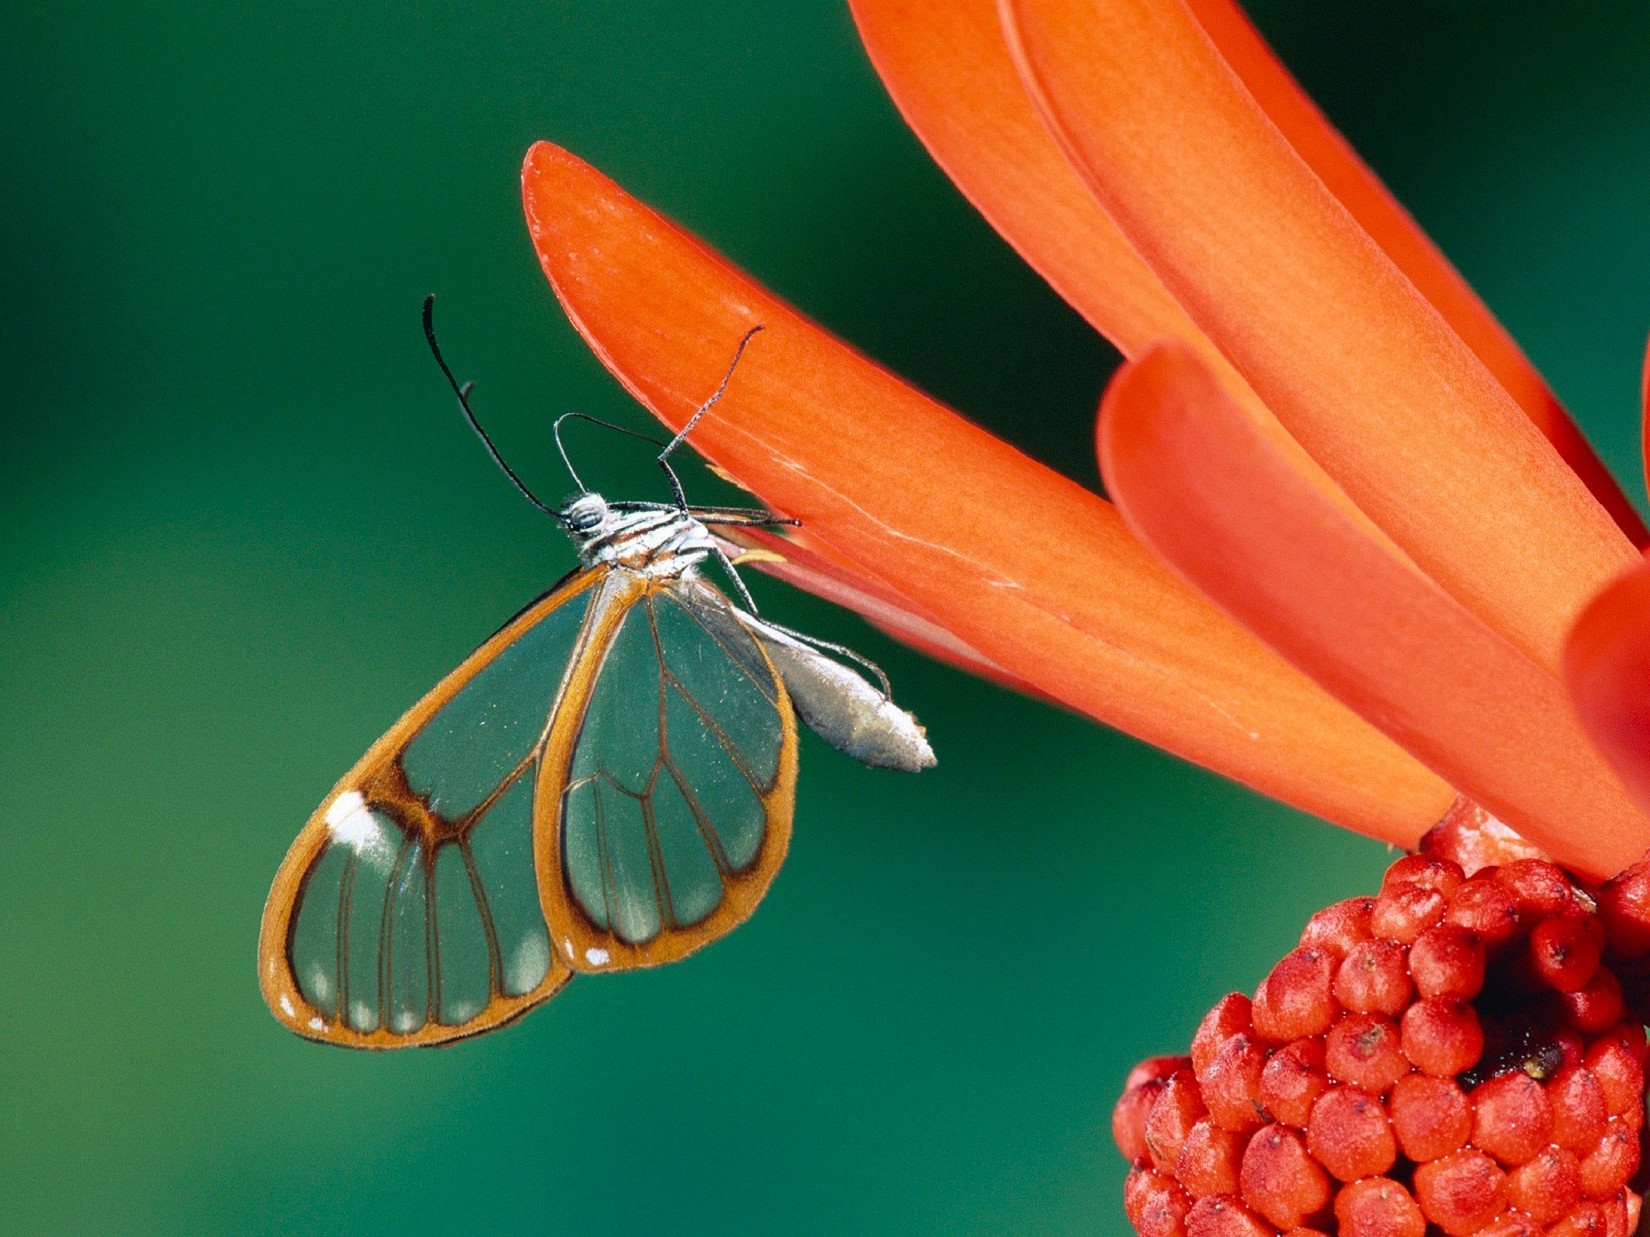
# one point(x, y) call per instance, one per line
point(586, 513)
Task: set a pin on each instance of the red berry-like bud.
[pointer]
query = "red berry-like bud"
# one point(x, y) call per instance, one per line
point(1625, 1218)
point(1624, 906)
point(1512, 1118)
point(1178, 1107)
point(1128, 1119)
point(1231, 1084)
point(1229, 1017)
point(1548, 1187)
point(1373, 978)
point(1350, 1134)
point(1456, 1056)
point(1611, 1164)
point(1447, 961)
point(1579, 1110)
point(1155, 1069)
point(1209, 1159)
point(1564, 953)
point(1486, 909)
point(1613, 1063)
point(1222, 1215)
point(1292, 1080)
point(1440, 1037)
point(1336, 929)
point(1596, 1006)
point(1140, 1088)
point(1155, 1204)
point(1587, 1220)
point(1541, 888)
point(1462, 1192)
point(1427, 871)
point(1474, 839)
point(1430, 1116)
point(1632, 1034)
point(1378, 1207)
point(1295, 1000)
point(1572, 1047)
point(1281, 1180)
point(1362, 1049)
point(1403, 912)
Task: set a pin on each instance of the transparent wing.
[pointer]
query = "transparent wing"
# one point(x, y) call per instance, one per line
point(673, 769)
point(407, 910)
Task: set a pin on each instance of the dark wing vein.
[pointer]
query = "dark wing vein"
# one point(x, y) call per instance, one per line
point(702, 821)
point(346, 892)
point(721, 736)
point(432, 941)
point(386, 932)
point(495, 958)
point(734, 655)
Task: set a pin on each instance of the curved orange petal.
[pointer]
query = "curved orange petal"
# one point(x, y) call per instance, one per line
point(948, 71)
point(1644, 415)
point(1026, 568)
point(1607, 666)
point(947, 67)
point(1329, 333)
point(1230, 502)
point(1392, 227)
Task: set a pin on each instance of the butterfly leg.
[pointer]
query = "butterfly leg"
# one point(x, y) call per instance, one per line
point(732, 573)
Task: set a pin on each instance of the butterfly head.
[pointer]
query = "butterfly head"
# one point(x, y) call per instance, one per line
point(585, 515)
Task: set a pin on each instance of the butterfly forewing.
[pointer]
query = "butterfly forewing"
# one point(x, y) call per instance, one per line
point(671, 768)
point(407, 910)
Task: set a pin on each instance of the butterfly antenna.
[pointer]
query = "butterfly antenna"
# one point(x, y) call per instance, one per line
point(699, 415)
point(555, 432)
point(463, 393)
point(715, 395)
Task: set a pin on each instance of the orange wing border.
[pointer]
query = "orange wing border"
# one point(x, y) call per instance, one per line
point(377, 775)
point(584, 945)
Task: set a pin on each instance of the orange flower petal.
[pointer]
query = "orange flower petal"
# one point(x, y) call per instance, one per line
point(1607, 665)
point(1350, 179)
point(948, 71)
point(1644, 416)
point(1231, 503)
point(1035, 574)
point(1329, 333)
point(947, 67)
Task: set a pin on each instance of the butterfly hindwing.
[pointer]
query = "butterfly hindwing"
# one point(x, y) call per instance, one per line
point(406, 912)
point(671, 770)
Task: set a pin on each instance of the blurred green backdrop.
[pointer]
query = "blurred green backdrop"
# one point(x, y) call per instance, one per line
point(241, 528)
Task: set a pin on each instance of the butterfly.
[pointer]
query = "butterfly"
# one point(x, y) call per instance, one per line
point(606, 783)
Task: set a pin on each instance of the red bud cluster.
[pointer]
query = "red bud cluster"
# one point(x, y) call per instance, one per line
point(1451, 1056)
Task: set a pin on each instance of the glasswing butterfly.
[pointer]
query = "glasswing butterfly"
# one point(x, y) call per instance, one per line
point(606, 783)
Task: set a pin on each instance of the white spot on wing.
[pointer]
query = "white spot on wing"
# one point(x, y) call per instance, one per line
point(528, 965)
point(286, 1005)
point(352, 823)
point(315, 1024)
point(343, 808)
point(596, 957)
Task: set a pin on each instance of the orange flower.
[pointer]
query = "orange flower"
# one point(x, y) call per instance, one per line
point(1388, 522)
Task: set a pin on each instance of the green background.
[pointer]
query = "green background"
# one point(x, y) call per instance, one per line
point(241, 528)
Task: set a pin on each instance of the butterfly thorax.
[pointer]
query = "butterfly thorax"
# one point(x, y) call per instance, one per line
point(656, 541)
